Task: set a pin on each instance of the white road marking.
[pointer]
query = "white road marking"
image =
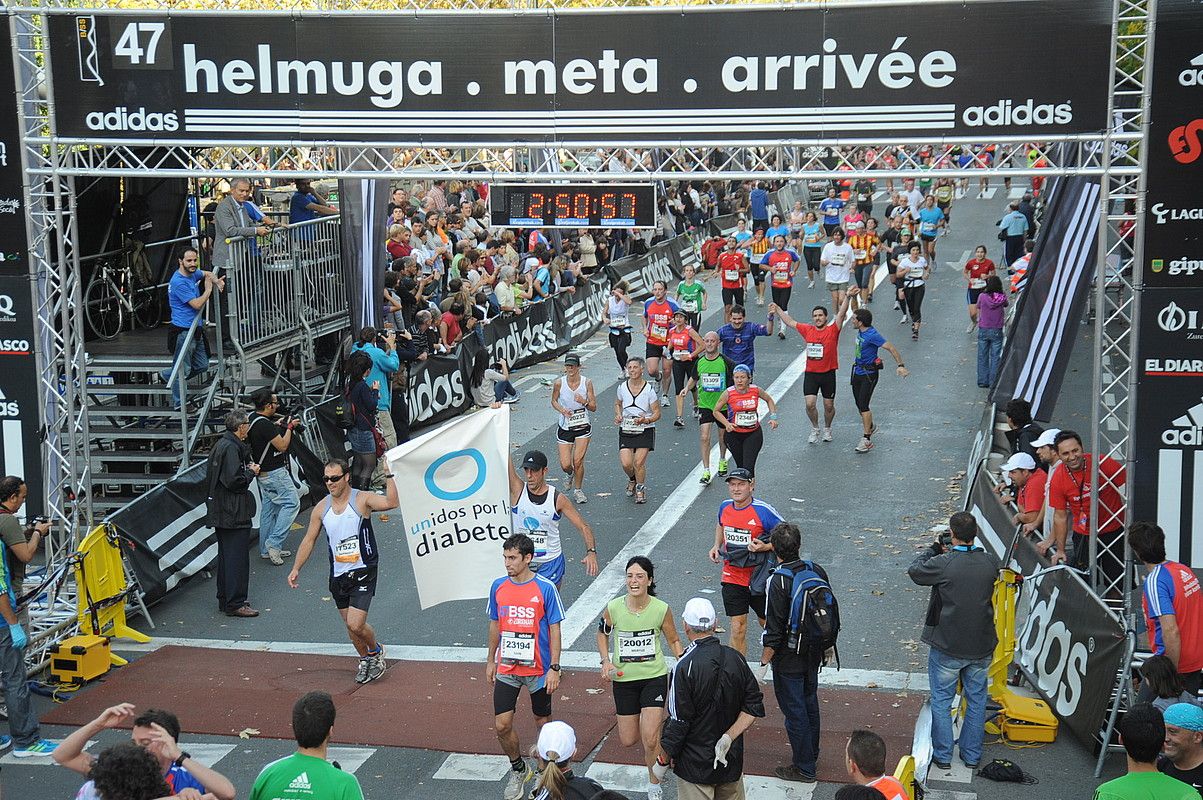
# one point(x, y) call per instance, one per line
point(44, 761)
point(761, 786)
point(468, 767)
point(619, 777)
point(1017, 192)
point(949, 794)
point(580, 660)
point(989, 193)
point(350, 758)
point(956, 773)
point(582, 613)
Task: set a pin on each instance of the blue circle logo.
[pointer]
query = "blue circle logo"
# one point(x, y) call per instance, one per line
point(530, 523)
point(441, 493)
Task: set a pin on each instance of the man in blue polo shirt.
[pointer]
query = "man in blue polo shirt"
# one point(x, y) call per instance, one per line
point(739, 337)
point(187, 293)
point(305, 205)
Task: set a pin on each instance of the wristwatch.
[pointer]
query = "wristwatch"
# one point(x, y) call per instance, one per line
point(184, 756)
point(556, 667)
point(591, 550)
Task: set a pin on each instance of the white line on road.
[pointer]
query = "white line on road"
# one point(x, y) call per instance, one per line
point(349, 758)
point(572, 659)
point(582, 613)
point(988, 194)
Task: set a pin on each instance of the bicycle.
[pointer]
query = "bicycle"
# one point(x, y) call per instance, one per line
point(121, 288)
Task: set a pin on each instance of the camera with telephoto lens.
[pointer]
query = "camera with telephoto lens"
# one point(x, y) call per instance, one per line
point(295, 416)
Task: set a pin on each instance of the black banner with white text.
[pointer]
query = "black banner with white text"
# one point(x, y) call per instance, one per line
point(571, 75)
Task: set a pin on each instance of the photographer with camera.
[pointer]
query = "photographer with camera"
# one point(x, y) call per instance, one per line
point(959, 629)
point(20, 541)
point(270, 438)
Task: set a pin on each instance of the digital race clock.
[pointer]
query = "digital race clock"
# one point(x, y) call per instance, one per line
point(573, 205)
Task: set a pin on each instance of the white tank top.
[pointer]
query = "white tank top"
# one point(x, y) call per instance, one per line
point(633, 406)
point(578, 416)
point(618, 312)
point(342, 534)
point(540, 522)
point(914, 271)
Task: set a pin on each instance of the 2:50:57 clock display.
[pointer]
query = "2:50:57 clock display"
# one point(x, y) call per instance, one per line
point(573, 205)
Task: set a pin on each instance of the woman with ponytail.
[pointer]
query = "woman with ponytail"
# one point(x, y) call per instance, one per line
point(632, 626)
point(555, 749)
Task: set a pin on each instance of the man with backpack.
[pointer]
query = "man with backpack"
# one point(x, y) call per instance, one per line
point(960, 632)
point(801, 627)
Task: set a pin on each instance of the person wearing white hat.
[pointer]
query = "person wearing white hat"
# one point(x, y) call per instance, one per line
point(1028, 482)
point(1046, 450)
point(555, 748)
point(713, 697)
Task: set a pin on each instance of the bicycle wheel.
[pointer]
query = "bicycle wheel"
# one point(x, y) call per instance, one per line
point(148, 308)
point(102, 304)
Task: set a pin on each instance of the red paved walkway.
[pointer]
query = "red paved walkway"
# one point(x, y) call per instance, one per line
point(434, 706)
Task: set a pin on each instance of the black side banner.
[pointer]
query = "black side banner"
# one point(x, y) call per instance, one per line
point(1069, 645)
point(1167, 434)
point(20, 415)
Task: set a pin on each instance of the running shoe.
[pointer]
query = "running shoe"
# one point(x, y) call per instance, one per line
point(759, 300)
point(827, 434)
point(865, 446)
point(781, 335)
point(664, 401)
point(722, 467)
point(810, 284)
point(361, 674)
point(869, 298)
point(902, 321)
point(705, 479)
point(678, 423)
point(515, 787)
point(42, 748)
point(580, 496)
point(914, 334)
point(568, 472)
point(640, 494)
point(631, 488)
point(376, 666)
point(814, 436)
point(511, 398)
point(655, 792)
point(5, 742)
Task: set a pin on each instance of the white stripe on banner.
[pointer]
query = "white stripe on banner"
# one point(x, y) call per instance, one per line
point(14, 448)
point(1069, 258)
point(1197, 508)
point(1169, 504)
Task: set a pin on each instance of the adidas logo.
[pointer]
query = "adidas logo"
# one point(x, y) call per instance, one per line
point(659, 699)
point(1187, 430)
point(300, 782)
point(535, 599)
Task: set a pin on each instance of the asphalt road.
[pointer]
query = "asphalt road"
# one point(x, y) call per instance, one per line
point(862, 517)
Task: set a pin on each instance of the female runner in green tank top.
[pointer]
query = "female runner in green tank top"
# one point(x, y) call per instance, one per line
point(628, 639)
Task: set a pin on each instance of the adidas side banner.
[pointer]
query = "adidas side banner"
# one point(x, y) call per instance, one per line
point(454, 491)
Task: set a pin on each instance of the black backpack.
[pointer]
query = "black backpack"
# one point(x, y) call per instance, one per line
point(344, 412)
point(814, 613)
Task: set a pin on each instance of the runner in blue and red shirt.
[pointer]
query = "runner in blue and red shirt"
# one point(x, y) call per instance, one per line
point(658, 311)
point(1173, 605)
point(741, 541)
point(525, 613)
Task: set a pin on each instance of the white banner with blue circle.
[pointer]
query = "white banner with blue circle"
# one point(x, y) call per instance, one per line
point(455, 502)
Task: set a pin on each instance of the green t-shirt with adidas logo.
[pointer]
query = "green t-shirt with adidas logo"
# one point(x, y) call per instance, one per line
point(301, 777)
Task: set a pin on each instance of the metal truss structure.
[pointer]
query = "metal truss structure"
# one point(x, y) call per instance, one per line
point(52, 164)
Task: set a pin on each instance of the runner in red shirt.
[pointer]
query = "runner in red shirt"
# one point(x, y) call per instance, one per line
point(977, 269)
point(741, 402)
point(683, 342)
point(1069, 492)
point(782, 264)
point(658, 313)
point(733, 274)
point(822, 341)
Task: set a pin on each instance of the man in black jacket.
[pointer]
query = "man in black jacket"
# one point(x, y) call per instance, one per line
point(960, 632)
point(231, 507)
point(712, 699)
point(795, 675)
point(1021, 430)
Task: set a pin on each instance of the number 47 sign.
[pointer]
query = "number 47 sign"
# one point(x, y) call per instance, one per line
point(136, 44)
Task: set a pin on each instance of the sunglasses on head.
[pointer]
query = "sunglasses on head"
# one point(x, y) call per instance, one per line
point(334, 478)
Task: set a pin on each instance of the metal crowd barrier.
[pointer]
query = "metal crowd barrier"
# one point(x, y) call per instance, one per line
point(285, 288)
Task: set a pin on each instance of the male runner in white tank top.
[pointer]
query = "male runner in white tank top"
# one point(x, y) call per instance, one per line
point(537, 508)
point(346, 516)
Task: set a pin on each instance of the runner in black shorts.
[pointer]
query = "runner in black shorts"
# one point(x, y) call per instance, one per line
point(866, 366)
point(353, 557)
point(629, 636)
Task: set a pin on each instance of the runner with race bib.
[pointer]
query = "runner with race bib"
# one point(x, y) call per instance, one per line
point(525, 613)
point(782, 265)
point(714, 376)
point(741, 542)
point(629, 643)
point(976, 270)
point(691, 296)
point(636, 413)
point(733, 276)
point(536, 509)
point(573, 397)
point(683, 341)
point(658, 313)
point(346, 516)
point(617, 317)
point(738, 411)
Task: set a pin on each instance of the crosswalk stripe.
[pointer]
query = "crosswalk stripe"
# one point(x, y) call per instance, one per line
point(760, 786)
point(207, 753)
point(619, 777)
point(40, 761)
point(1017, 192)
point(350, 758)
point(632, 778)
point(948, 794)
point(988, 194)
point(468, 767)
